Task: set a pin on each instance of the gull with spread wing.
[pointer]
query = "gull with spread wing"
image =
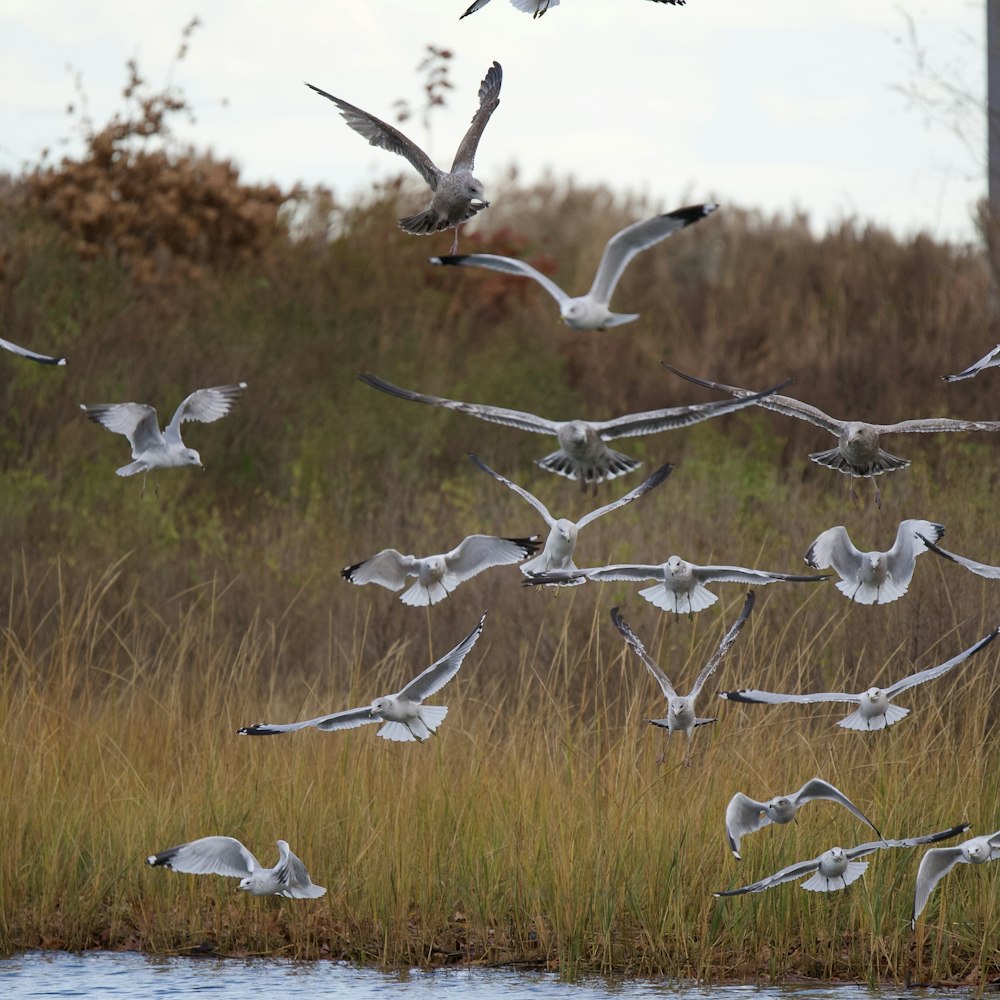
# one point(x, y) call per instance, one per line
point(745, 815)
point(152, 449)
point(590, 311)
point(42, 359)
point(875, 709)
point(938, 861)
point(980, 569)
point(538, 7)
point(838, 867)
point(227, 856)
point(680, 586)
point(681, 715)
point(458, 195)
point(438, 575)
point(991, 360)
point(858, 451)
point(403, 715)
point(557, 554)
point(582, 452)
point(873, 577)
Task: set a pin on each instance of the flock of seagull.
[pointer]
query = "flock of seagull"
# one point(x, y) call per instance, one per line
point(679, 586)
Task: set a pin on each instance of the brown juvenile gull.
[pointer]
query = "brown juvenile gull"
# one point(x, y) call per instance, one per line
point(557, 553)
point(438, 575)
point(990, 360)
point(980, 569)
point(858, 452)
point(403, 715)
point(227, 856)
point(873, 577)
point(152, 449)
point(590, 311)
point(938, 861)
point(43, 359)
point(538, 7)
point(680, 585)
point(582, 452)
point(837, 868)
point(680, 711)
point(745, 815)
point(874, 706)
point(458, 196)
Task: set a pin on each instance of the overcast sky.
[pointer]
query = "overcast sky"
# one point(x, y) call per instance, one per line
point(781, 105)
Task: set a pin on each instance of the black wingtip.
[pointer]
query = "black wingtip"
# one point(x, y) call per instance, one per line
point(692, 213)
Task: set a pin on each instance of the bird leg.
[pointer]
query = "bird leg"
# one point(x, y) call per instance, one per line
point(142, 489)
point(878, 493)
point(454, 242)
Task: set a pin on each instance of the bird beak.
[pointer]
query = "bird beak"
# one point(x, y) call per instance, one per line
point(479, 203)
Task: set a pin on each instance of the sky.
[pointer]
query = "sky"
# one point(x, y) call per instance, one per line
point(783, 106)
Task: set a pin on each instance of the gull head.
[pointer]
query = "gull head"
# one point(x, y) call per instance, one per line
point(251, 884)
point(476, 194)
point(566, 531)
point(873, 695)
point(677, 568)
point(779, 810)
point(189, 456)
point(378, 706)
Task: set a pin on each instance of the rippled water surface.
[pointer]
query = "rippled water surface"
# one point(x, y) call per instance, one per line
point(117, 974)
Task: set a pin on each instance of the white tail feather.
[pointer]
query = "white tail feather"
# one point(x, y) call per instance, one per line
point(132, 468)
point(857, 721)
point(667, 600)
point(821, 883)
point(419, 596)
point(397, 732)
point(432, 716)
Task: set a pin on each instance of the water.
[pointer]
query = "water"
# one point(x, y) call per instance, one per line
point(126, 974)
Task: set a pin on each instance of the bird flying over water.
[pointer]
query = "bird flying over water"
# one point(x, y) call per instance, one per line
point(590, 311)
point(458, 195)
point(938, 861)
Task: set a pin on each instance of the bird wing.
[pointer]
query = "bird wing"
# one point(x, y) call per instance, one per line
point(744, 815)
point(350, 719)
point(505, 265)
point(524, 494)
point(388, 568)
point(629, 572)
point(478, 552)
point(989, 360)
point(137, 421)
point(817, 788)
point(494, 414)
point(291, 871)
point(942, 668)
point(478, 5)
point(785, 875)
point(441, 671)
point(205, 406)
point(780, 404)
point(927, 838)
point(624, 245)
point(936, 425)
point(834, 548)
point(44, 359)
point(754, 577)
point(909, 544)
point(727, 640)
point(208, 856)
point(934, 865)
point(640, 650)
point(489, 99)
point(755, 697)
point(644, 487)
point(980, 569)
point(671, 418)
point(380, 134)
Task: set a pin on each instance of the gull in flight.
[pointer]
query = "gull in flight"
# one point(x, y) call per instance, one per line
point(838, 867)
point(991, 360)
point(458, 196)
point(152, 449)
point(680, 586)
point(938, 861)
point(25, 353)
point(403, 715)
point(538, 7)
point(681, 715)
point(438, 575)
point(875, 709)
point(557, 554)
point(590, 311)
point(582, 452)
point(858, 451)
point(745, 815)
point(980, 569)
point(227, 856)
point(873, 577)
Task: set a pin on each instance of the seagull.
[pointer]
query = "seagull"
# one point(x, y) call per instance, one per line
point(438, 575)
point(991, 360)
point(458, 196)
point(873, 577)
point(858, 452)
point(938, 861)
point(680, 585)
point(227, 856)
point(582, 452)
point(745, 815)
point(874, 710)
point(590, 311)
point(403, 715)
point(680, 711)
point(138, 422)
point(557, 553)
point(538, 7)
point(43, 359)
point(980, 569)
point(837, 868)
